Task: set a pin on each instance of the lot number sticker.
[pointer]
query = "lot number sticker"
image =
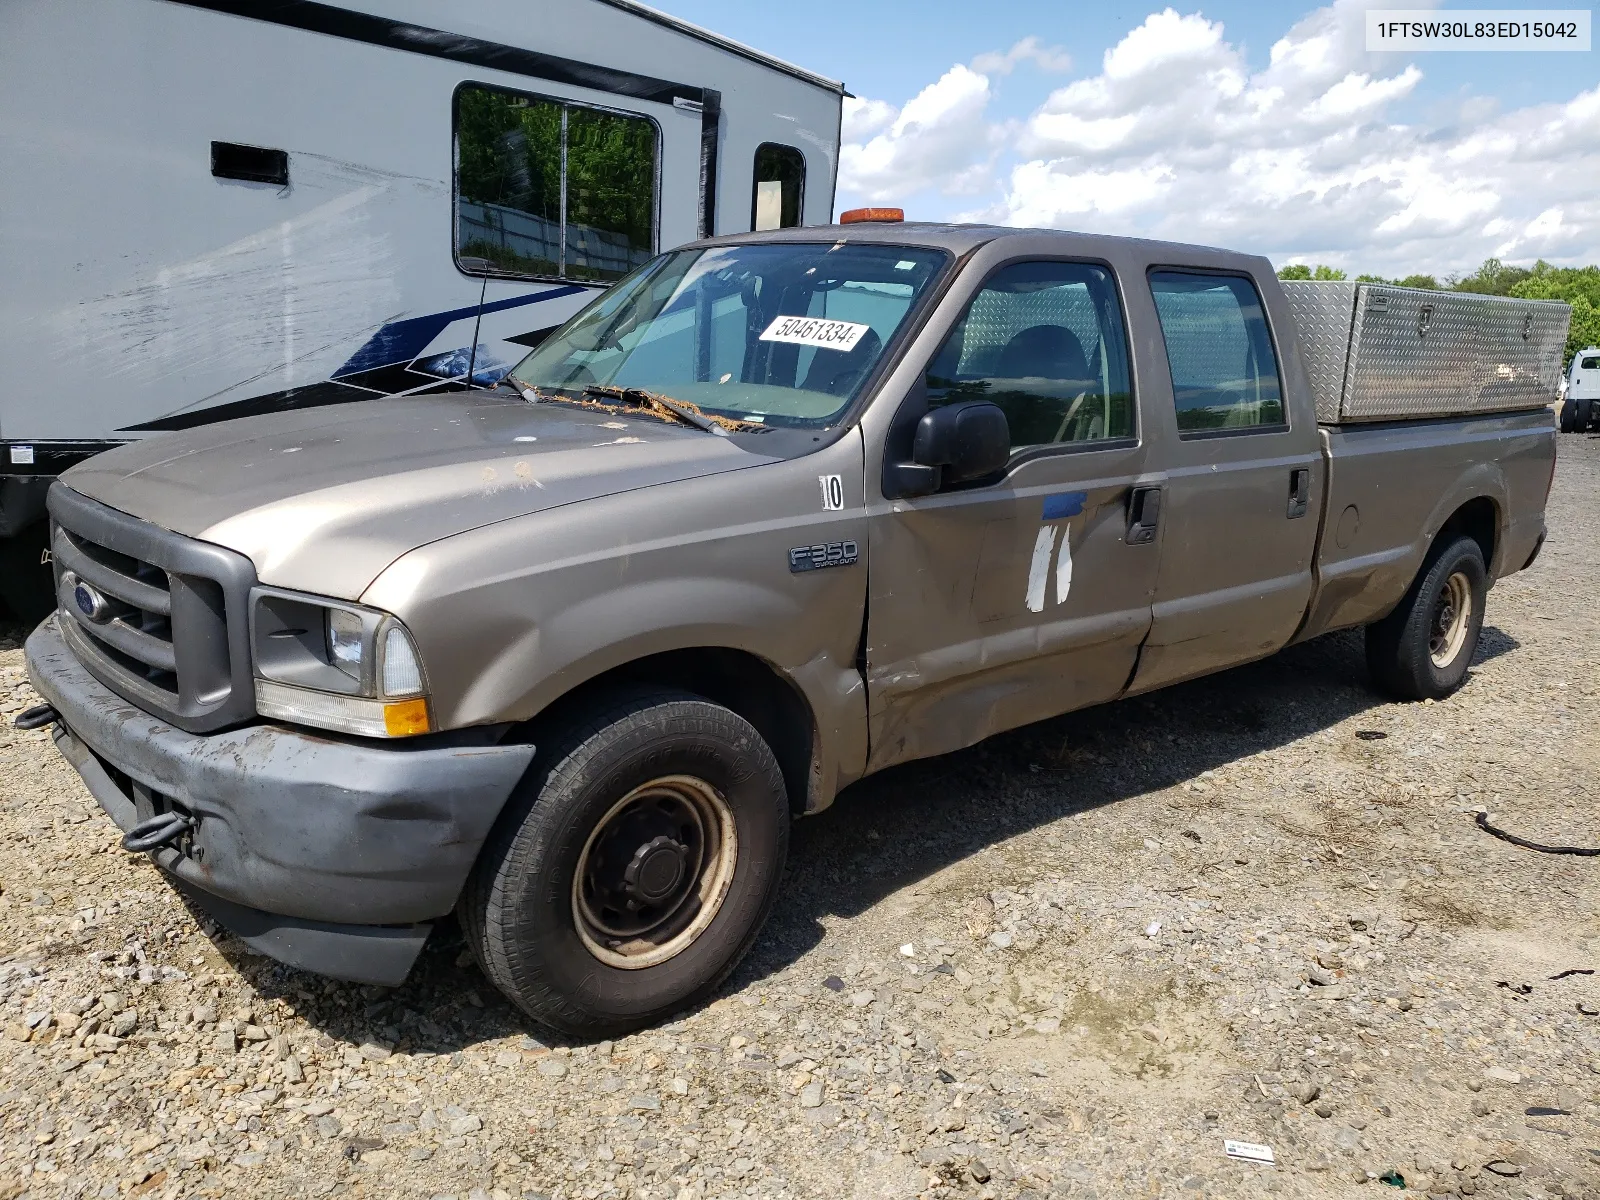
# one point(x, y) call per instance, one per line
point(832, 492)
point(815, 331)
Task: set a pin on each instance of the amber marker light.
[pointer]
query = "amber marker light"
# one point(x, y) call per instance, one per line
point(855, 216)
point(406, 718)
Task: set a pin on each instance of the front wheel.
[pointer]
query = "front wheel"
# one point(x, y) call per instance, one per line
point(630, 873)
point(1583, 413)
point(1568, 419)
point(1422, 650)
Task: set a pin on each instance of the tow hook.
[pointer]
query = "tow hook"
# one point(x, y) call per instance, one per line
point(36, 717)
point(156, 831)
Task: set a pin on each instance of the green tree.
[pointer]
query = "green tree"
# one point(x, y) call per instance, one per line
point(1303, 271)
point(1494, 278)
point(1579, 287)
point(1410, 281)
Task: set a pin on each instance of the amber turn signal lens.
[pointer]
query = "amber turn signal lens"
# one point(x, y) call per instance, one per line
point(405, 718)
point(856, 215)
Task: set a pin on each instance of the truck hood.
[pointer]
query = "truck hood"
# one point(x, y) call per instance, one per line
point(324, 499)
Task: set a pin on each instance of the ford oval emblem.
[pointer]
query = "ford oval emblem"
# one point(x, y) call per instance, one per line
point(91, 603)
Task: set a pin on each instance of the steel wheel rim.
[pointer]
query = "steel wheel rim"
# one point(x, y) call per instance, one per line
point(1452, 613)
point(654, 872)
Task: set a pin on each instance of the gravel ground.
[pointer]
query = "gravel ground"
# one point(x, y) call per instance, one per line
point(1068, 962)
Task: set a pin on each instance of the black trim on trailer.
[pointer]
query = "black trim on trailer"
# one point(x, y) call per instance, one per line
point(316, 395)
point(689, 29)
point(438, 43)
point(710, 117)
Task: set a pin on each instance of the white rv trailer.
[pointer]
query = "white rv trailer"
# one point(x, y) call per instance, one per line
point(226, 207)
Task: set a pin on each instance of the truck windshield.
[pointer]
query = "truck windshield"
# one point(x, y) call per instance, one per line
point(781, 334)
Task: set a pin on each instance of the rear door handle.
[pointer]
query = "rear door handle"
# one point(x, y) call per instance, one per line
point(1144, 514)
point(1299, 492)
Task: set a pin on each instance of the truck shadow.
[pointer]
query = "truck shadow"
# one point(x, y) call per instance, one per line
point(904, 825)
point(910, 822)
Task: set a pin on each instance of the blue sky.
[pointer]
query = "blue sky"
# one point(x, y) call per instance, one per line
point(847, 41)
point(1137, 118)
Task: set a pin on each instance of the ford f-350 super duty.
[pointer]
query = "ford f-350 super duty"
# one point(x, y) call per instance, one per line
point(776, 512)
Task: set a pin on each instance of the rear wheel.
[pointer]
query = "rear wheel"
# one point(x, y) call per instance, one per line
point(1423, 649)
point(630, 874)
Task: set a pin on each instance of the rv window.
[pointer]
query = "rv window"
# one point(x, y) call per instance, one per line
point(549, 188)
point(780, 180)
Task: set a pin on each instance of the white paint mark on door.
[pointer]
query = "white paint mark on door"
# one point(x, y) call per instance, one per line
point(1039, 568)
point(1064, 567)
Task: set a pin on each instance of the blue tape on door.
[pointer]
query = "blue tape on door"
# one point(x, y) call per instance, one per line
point(1064, 504)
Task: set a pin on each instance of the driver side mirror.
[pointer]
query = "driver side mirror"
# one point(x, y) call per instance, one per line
point(954, 445)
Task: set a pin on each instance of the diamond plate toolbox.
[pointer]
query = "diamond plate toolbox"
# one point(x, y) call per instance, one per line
point(1376, 352)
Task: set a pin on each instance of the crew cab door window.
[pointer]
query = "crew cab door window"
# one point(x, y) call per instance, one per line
point(1046, 342)
point(548, 188)
point(1224, 370)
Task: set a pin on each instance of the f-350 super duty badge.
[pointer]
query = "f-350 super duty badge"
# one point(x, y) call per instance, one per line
point(825, 554)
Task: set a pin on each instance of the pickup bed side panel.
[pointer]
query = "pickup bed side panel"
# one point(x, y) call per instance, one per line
point(1392, 487)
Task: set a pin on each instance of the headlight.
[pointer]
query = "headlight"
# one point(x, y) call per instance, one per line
point(336, 665)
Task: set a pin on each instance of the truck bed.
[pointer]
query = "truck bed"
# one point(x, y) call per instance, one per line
point(1381, 477)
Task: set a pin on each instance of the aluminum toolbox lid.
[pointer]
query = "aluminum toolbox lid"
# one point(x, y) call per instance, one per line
point(1377, 352)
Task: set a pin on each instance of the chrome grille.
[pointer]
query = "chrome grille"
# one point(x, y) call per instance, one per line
point(157, 617)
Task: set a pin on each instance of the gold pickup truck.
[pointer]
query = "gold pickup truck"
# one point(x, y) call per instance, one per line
point(779, 510)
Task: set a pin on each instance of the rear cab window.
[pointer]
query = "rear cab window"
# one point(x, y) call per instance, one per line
point(1219, 349)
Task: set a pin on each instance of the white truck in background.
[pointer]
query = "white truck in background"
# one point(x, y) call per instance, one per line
point(249, 206)
point(1580, 407)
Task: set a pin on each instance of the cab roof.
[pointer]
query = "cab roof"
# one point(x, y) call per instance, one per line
point(954, 237)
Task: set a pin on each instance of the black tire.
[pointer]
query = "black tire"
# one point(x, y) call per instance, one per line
point(1568, 420)
point(1409, 654)
point(526, 918)
point(1583, 413)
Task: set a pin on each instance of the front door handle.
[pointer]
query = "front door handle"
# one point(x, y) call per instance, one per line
point(1299, 492)
point(1144, 514)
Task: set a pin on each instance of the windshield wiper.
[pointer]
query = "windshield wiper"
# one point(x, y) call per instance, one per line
point(644, 399)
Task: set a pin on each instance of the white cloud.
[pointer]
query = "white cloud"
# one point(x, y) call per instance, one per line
point(1316, 156)
point(940, 140)
point(1029, 49)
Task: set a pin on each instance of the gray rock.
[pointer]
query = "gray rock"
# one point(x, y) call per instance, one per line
point(811, 1095)
point(329, 1126)
point(553, 1068)
point(463, 1125)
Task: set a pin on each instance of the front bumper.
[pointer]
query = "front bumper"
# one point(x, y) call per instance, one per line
point(332, 854)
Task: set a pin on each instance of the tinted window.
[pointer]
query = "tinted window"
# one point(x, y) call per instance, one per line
point(780, 179)
point(547, 188)
point(1592, 363)
point(783, 334)
point(1224, 371)
point(1044, 341)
